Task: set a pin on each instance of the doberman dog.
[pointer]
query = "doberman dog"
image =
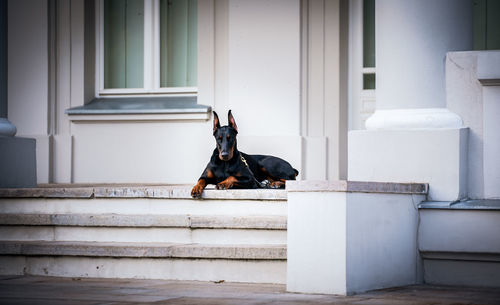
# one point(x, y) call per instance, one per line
point(230, 168)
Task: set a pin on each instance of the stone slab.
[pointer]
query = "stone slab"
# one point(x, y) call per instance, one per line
point(356, 187)
point(137, 191)
point(143, 250)
point(149, 220)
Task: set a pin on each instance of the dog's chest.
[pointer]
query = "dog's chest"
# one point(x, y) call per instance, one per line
point(224, 170)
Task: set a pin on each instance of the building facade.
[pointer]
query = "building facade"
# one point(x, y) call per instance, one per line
point(400, 95)
point(297, 81)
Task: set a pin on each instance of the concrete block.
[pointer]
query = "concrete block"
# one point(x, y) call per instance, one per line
point(344, 242)
point(253, 271)
point(458, 244)
point(460, 230)
point(462, 272)
point(17, 162)
point(434, 156)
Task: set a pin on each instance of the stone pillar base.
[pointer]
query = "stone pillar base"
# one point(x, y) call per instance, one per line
point(347, 237)
point(17, 162)
point(434, 156)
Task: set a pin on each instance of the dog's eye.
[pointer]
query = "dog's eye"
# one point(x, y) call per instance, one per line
point(228, 137)
point(220, 137)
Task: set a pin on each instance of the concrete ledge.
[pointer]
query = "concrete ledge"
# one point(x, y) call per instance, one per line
point(462, 272)
point(116, 220)
point(143, 250)
point(459, 230)
point(484, 204)
point(137, 191)
point(461, 256)
point(356, 186)
point(140, 105)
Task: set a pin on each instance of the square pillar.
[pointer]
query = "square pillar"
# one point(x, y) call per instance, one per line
point(434, 156)
point(347, 237)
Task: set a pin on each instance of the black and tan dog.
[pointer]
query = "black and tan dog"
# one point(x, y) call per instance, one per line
point(230, 168)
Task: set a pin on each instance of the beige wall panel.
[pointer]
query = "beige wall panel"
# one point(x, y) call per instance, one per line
point(173, 152)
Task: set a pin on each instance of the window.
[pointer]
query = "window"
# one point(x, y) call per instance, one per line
point(146, 47)
point(368, 44)
point(362, 65)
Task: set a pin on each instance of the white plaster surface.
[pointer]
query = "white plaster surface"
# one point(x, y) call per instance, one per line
point(488, 67)
point(491, 141)
point(434, 156)
point(348, 242)
point(468, 231)
point(146, 152)
point(420, 118)
point(28, 66)
point(412, 74)
point(175, 269)
point(144, 206)
point(317, 242)
point(264, 66)
point(315, 151)
point(472, 92)
point(464, 96)
point(381, 240)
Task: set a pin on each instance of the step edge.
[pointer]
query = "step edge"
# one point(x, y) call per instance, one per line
point(257, 222)
point(143, 250)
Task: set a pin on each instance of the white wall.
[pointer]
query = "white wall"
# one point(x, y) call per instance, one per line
point(264, 66)
point(412, 38)
point(472, 89)
point(491, 98)
point(251, 57)
point(28, 66)
point(28, 76)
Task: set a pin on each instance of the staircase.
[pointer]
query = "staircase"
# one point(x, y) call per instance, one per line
point(156, 232)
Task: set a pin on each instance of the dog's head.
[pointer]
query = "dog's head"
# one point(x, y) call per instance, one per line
point(225, 137)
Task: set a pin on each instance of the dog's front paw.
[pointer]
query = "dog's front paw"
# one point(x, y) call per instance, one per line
point(277, 185)
point(196, 191)
point(223, 186)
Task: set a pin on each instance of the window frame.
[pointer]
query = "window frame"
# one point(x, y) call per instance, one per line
point(151, 57)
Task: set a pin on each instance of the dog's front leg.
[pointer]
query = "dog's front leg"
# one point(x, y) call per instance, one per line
point(198, 188)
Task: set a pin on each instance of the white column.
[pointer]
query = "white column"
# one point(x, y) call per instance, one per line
point(412, 136)
point(412, 39)
point(17, 155)
point(6, 127)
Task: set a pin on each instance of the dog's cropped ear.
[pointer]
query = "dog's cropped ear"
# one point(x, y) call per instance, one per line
point(231, 121)
point(216, 122)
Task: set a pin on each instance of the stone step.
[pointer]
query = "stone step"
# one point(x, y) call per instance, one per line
point(137, 231)
point(217, 229)
point(239, 263)
point(132, 200)
point(459, 242)
point(276, 222)
point(88, 191)
point(143, 250)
